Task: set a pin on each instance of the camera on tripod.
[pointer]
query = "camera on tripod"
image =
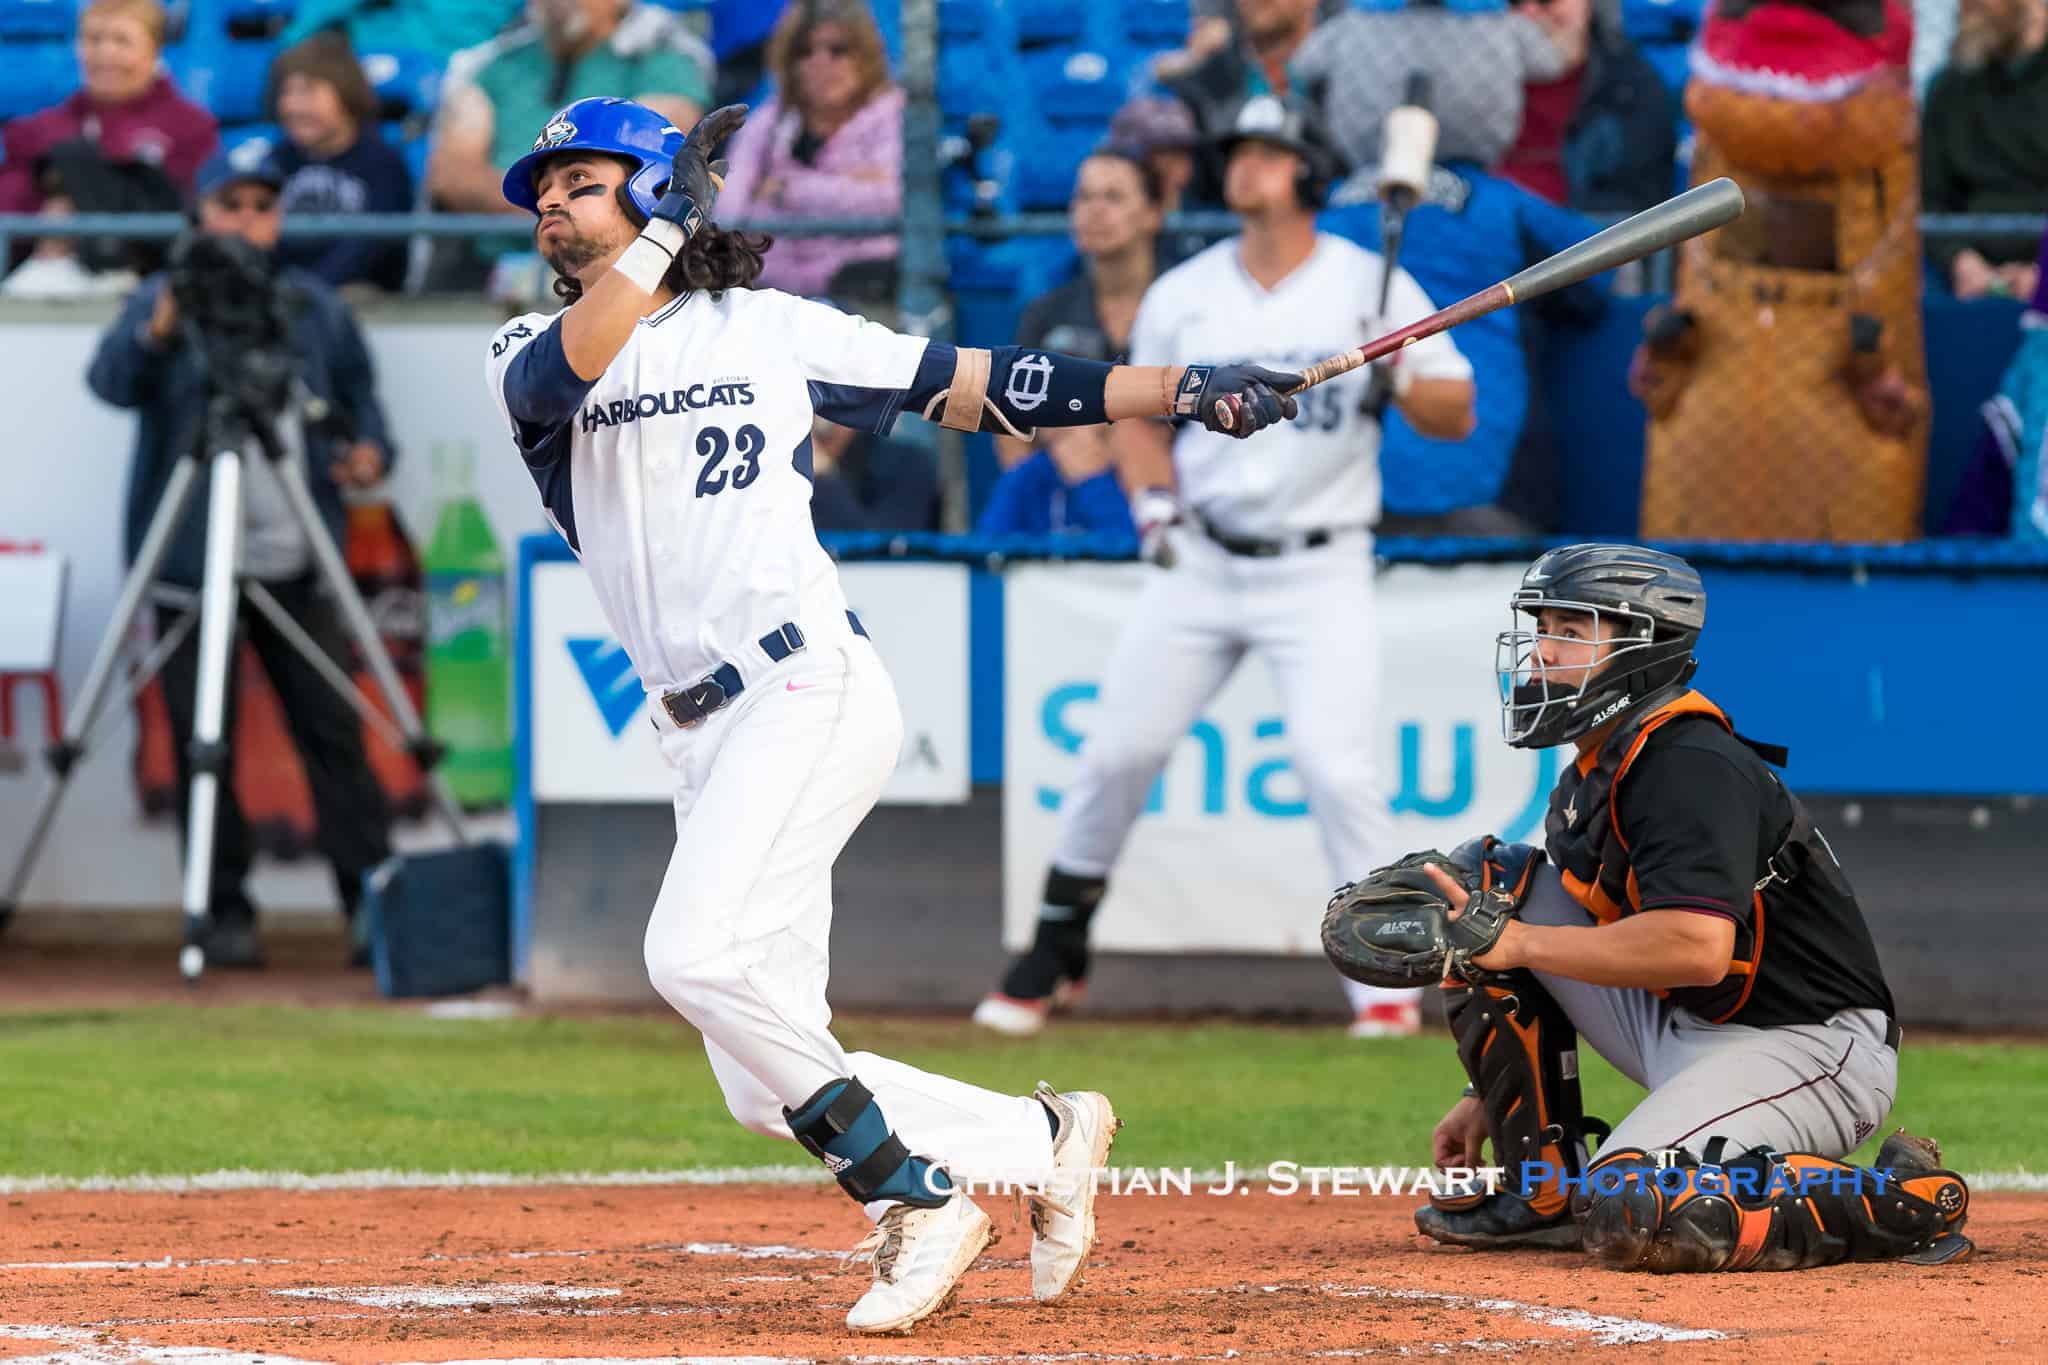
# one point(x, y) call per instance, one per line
point(233, 300)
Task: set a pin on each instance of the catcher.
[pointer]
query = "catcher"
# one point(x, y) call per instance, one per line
point(1684, 916)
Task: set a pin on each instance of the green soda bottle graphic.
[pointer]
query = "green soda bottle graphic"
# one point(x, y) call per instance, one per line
point(469, 661)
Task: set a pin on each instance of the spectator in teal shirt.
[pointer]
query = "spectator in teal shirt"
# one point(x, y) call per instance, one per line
point(499, 94)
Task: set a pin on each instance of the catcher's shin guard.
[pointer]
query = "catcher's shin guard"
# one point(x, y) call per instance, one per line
point(1666, 1213)
point(1521, 1052)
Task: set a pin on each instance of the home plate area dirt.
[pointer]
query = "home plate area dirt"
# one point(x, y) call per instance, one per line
point(761, 1273)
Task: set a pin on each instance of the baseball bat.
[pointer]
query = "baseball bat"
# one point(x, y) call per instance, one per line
point(1700, 209)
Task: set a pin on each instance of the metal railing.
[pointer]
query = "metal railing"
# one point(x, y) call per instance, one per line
point(1934, 227)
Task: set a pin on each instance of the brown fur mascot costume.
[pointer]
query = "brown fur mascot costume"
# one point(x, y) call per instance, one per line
point(1786, 385)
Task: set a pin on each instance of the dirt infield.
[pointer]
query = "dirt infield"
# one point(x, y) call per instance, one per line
point(666, 1272)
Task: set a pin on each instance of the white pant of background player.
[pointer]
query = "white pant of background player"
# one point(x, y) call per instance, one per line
point(768, 790)
point(1309, 615)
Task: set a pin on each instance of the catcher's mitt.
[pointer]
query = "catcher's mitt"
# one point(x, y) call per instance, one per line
point(1394, 928)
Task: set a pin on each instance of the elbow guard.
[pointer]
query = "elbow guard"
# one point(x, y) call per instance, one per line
point(1013, 390)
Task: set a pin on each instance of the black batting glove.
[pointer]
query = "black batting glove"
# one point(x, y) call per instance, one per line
point(1236, 400)
point(696, 174)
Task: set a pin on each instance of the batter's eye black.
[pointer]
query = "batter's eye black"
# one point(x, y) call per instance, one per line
point(581, 190)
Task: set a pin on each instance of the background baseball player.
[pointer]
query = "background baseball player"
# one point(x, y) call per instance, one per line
point(665, 416)
point(1270, 548)
point(1694, 926)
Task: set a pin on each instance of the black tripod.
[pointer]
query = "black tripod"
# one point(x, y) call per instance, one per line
point(239, 415)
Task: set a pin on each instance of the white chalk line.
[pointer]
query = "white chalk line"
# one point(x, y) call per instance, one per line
point(2015, 1180)
point(462, 1296)
point(529, 1300)
point(1605, 1329)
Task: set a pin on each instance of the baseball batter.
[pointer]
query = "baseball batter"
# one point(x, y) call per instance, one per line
point(1270, 550)
point(665, 416)
point(1697, 930)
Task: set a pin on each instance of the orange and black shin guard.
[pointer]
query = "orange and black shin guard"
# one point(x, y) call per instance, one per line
point(1521, 1052)
point(1666, 1213)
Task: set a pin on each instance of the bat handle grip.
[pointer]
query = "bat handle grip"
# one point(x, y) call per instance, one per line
point(1329, 369)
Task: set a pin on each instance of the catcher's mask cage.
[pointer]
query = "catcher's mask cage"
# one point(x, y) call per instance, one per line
point(1539, 708)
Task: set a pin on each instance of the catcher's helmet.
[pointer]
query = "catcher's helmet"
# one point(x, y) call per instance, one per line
point(646, 141)
point(1286, 123)
point(1659, 604)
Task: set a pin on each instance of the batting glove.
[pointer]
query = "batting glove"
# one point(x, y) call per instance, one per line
point(695, 176)
point(1156, 510)
point(1236, 400)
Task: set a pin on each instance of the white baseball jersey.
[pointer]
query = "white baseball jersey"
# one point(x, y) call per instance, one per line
point(682, 480)
point(1321, 469)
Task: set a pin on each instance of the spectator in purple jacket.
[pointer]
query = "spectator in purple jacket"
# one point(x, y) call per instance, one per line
point(828, 145)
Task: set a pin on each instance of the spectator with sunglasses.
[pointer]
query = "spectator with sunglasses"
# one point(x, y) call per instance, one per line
point(829, 144)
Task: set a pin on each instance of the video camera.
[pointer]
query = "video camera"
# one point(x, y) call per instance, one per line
point(232, 299)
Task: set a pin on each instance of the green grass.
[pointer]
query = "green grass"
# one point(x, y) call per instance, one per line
point(172, 1091)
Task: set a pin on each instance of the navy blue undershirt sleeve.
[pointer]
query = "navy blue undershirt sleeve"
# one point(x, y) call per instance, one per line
point(1030, 387)
point(541, 391)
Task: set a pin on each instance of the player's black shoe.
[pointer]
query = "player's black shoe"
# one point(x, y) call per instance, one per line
point(1037, 984)
point(1499, 1222)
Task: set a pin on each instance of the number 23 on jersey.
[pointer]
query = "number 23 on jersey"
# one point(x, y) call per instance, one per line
point(714, 444)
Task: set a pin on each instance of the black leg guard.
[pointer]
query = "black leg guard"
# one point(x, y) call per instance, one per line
point(1521, 1052)
point(1060, 951)
point(1666, 1213)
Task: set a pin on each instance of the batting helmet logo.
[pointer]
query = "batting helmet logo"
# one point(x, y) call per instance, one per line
point(646, 142)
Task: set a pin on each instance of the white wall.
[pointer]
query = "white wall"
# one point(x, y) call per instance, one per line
point(64, 468)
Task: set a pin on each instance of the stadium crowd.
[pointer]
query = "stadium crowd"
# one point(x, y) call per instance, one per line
point(1552, 116)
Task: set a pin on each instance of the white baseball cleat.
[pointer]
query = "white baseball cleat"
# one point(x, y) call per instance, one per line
point(1015, 1018)
point(919, 1256)
point(1388, 1019)
point(1063, 1216)
point(1011, 1017)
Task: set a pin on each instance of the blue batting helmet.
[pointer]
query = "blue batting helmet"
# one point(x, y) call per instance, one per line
point(647, 141)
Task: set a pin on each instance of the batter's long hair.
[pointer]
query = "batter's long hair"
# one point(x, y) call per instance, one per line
point(714, 260)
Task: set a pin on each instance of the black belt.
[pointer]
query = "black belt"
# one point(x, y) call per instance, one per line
point(1892, 1033)
point(688, 706)
point(1256, 547)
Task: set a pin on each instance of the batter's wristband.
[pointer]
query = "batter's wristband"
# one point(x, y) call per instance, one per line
point(645, 262)
point(1470, 1092)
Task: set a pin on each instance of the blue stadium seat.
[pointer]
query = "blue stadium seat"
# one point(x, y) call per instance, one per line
point(1661, 21)
point(405, 82)
point(233, 135)
point(1046, 161)
point(975, 79)
point(1077, 87)
point(1154, 23)
point(969, 21)
point(1042, 22)
point(256, 18)
point(1673, 62)
point(412, 145)
point(30, 19)
point(38, 75)
point(239, 78)
point(889, 19)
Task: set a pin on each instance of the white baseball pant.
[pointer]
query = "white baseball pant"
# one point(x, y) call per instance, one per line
point(1309, 614)
point(768, 790)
